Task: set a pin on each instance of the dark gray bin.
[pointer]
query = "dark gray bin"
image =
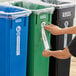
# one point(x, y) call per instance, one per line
point(63, 17)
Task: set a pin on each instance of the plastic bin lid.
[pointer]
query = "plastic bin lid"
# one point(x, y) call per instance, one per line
point(57, 2)
point(63, 5)
point(35, 7)
point(60, 3)
point(13, 12)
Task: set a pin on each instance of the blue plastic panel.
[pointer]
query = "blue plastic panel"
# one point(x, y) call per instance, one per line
point(13, 46)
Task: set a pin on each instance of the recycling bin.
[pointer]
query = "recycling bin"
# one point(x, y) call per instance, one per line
point(13, 40)
point(39, 38)
point(63, 17)
point(57, 2)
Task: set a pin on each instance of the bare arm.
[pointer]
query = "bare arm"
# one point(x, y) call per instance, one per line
point(60, 54)
point(55, 30)
point(69, 30)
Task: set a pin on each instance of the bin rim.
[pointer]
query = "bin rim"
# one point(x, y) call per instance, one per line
point(63, 5)
point(46, 4)
point(24, 12)
point(70, 4)
point(38, 11)
point(44, 10)
point(40, 2)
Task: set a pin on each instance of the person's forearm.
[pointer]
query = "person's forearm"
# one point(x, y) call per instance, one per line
point(69, 30)
point(61, 54)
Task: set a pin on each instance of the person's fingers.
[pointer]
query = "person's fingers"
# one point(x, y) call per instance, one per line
point(68, 52)
point(43, 52)
point(47, 27)
point(52, 25)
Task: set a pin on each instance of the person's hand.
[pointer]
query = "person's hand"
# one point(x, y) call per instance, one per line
point(46, 53)
point(55, 30)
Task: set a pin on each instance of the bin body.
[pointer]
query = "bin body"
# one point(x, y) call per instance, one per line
point(37, 64)
point(61, 67)
point(63, 17)
point(13, 42)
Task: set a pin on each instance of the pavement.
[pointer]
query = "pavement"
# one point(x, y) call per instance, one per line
point(73, 67)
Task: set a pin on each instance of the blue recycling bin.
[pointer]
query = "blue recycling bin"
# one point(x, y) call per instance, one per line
point(13, 40)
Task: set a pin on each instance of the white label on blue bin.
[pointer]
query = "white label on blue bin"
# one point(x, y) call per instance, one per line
point(18, 20)
point(44, 37)
point(18, 30)
point(66, 23)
